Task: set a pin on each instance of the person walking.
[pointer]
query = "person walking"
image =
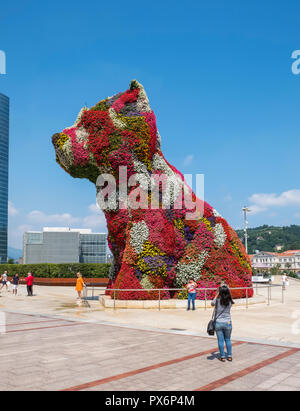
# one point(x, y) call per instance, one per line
point(223, 325)
point(191, 287)
point(79, 286)
point(4, 280)
point(29, 282)
point(15, 282)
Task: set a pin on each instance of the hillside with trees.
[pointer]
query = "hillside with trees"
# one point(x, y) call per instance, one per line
point(270, 238)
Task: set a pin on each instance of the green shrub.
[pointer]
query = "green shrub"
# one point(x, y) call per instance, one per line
point(57, 270)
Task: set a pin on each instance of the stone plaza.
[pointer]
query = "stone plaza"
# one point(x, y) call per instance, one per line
point(48, 342)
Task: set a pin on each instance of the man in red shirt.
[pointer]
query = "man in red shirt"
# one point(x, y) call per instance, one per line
point(29, 282)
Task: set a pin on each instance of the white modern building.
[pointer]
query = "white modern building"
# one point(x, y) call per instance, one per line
point(264, 261)
point(64, 245)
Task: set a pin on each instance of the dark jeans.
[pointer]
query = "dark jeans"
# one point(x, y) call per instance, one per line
point(223, 331)
point(191, 297)
point(29, 290)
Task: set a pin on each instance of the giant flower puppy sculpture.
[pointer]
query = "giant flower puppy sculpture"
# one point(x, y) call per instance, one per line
point(158, 239)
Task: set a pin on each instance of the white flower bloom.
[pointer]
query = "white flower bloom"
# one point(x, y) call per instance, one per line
point(139, 167)
point(191, 270)
point(138, 235)
point(65, 154)
point(158, 141)
point(82, 135)
point(142, 104)
point(220, 235)
point(146, 283)
point(158, 163)
point(117, 122)
point(144, 178)
point(216, 214)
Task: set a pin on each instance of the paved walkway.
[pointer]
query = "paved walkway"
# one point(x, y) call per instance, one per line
point(275, 323)
point(47, 342)
point(44, 353)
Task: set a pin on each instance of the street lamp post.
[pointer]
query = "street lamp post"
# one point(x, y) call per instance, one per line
point(246, 210)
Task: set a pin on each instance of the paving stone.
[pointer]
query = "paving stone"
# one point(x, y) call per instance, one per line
point(63, 357)
point(281, 387)
point(273, 381)
point(292, 381)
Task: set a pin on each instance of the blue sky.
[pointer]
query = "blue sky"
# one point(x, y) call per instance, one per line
point(218, 77)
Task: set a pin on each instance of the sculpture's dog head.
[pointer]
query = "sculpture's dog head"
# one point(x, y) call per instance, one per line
point(118, 131)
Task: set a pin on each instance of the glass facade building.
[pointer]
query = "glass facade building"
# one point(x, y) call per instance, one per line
point(4, 144)
point(64, 245)
point(93, 248)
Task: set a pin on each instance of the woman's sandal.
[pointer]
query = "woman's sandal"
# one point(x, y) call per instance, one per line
point(222, 359)
point(229, 359)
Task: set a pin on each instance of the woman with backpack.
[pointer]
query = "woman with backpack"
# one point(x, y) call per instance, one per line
point(223, 326)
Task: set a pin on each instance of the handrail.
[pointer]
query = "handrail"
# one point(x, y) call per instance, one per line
point(183, 289)
point(205, 289)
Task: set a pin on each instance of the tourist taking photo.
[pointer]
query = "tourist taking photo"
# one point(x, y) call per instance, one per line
point(223, 325)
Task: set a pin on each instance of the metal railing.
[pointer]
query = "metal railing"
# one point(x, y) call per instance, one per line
point(91, 287)
point(205, 290)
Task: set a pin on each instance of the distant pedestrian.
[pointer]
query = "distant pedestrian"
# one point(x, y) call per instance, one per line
point(79, 286)
point(29, 282)
point(4, 280)
point(223, 325)
point(15, 282)
point(191, 287)
point(284, 281)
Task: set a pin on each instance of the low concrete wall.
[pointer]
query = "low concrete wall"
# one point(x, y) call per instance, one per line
point(108, 302)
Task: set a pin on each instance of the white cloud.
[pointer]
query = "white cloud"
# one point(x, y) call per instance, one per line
point(94, 208)
point(188, 160)
point(263, 202)
point(96, 219)
point(37, 216)
point(255, 209)
point(11, 209)
point(16, 235)
point(37, 219)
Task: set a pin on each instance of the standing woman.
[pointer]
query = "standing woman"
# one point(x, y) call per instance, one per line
point(191, 287)
point(79, 286)
point(223, 326)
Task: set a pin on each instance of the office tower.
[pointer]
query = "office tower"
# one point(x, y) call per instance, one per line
point(4, 143)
